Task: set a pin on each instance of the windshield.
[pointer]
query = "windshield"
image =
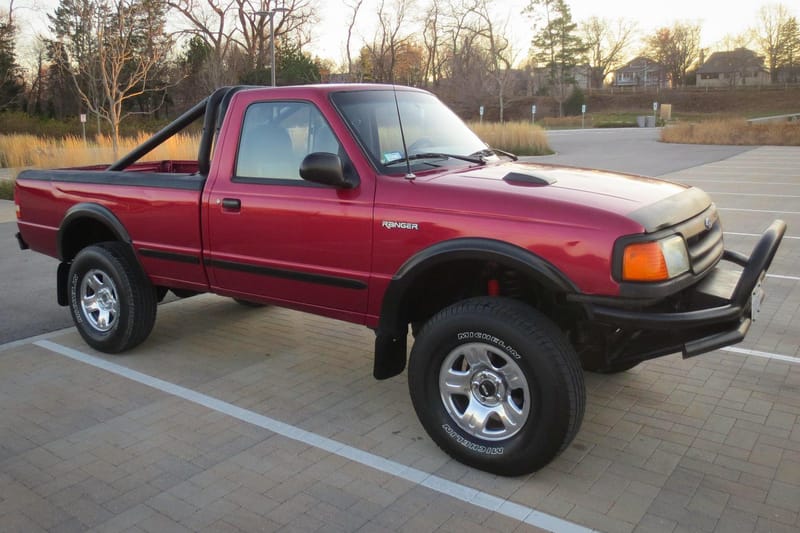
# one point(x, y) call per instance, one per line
point(434, 135)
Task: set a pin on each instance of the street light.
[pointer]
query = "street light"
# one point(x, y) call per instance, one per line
point(271, 14)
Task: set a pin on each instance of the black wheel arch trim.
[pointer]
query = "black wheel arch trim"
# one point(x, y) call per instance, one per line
point(391, 333)
point(95, 212)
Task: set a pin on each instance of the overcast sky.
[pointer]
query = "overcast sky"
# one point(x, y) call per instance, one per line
point(717, 17)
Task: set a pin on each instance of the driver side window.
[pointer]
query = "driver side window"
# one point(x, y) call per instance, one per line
point(275, 138)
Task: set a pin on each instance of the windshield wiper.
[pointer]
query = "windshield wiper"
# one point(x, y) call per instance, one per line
point(438, 155)
point(494, 151)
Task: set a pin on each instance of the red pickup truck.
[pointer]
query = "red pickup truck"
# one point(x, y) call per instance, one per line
point(377, 205)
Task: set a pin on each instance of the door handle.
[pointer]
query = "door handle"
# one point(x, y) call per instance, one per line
point(231, 204)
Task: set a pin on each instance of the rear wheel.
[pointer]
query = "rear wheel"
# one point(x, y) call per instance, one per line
point(112, 302)
point(496, 385)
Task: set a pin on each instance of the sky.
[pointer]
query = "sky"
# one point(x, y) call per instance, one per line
point(717, 17)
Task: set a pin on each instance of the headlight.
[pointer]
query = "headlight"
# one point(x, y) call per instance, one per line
point(656, 260)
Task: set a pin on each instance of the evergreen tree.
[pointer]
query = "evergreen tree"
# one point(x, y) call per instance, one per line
point(11, 81)
point(788, 60)
point(557, 46)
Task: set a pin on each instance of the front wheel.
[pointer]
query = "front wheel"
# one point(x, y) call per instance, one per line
point(112, 302)
point(496, 385)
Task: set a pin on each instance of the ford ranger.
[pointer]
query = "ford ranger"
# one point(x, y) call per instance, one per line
point(376, 205)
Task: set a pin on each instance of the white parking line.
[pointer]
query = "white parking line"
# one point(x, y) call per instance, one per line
point(458, 491)
point(758, 210)
point(706, 180)
point(758, 235)
point(758, 353)
point(719, 193)
point(778, 276)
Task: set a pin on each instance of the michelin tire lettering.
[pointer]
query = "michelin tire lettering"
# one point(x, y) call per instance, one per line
point(478, 335)
point(478, 448)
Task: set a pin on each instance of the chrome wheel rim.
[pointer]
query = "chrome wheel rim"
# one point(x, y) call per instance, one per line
point(484, 391)
point(99, 301)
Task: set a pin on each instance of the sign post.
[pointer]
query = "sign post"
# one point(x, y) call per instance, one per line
point(481, 112)
point(533, 114)
point(655, 108)
point(583, 116)
point(83, 126)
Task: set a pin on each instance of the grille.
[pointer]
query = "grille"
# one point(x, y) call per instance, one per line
point(703, 235)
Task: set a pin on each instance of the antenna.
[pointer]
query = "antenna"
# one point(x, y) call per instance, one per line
point(409, 175)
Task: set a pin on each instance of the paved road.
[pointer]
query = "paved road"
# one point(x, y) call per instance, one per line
point(634, 150)
point(27, 285)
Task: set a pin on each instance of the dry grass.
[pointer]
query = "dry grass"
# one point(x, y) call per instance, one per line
point(30, 151)
point(735, 132)
point(522, 138)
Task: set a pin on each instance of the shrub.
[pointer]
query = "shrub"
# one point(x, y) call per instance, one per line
point(733, 131)
point(521, 138)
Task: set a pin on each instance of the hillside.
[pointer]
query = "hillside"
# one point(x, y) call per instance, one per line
point(748, 102)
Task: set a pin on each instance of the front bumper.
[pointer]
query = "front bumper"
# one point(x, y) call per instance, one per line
point(719, 309)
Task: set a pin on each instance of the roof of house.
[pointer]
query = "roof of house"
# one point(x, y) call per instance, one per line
point(637, 64)
point(732, 61)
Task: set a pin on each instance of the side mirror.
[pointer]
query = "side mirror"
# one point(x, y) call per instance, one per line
point(324, 168)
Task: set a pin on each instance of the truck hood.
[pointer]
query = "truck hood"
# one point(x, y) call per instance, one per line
point(653, 203)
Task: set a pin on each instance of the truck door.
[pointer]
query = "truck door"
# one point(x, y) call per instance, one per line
point(272, 235)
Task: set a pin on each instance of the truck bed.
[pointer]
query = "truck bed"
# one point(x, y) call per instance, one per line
point(157, 202)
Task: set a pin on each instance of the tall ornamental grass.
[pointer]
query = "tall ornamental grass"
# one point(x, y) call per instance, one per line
point(521, 138)
point(733, 131)
point(26, 151)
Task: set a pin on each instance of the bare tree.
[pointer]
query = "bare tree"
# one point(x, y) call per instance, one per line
point(355, 7)
point(291, 23)
point(770, 35)
point(461, 60)
point(431, 36)
point(391, 37)
point(212, 21)
point(676, 48)
point(607, 42)
point(733, 41)
point(130, 46)
point(501, 54)
point(237, 31)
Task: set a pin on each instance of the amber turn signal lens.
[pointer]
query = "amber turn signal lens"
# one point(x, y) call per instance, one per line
point(644, 262)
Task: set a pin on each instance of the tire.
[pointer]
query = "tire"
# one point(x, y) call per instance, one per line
point(499, 357)
point(112, 302)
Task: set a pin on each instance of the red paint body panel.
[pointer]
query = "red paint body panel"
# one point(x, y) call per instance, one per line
point(338, 234)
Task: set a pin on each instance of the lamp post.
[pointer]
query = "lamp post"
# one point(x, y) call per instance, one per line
point(271, 14)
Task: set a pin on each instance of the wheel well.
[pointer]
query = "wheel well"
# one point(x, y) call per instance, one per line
point(447, 283)
point(83, 232)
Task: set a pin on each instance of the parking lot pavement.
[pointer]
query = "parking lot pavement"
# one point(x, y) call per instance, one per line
point(237, 419)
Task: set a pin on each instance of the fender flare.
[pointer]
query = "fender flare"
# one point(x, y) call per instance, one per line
point(84, 210)
point(390, 344)
point(95, 212)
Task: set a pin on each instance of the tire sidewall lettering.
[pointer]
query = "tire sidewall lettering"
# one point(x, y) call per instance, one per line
point(470, 336)
point(74, 298)
point(470, 445)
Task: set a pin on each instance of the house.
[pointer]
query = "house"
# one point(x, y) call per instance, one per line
point(641, 72)
point(733, 68)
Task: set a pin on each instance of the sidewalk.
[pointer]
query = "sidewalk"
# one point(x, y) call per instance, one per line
point(7, 211)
